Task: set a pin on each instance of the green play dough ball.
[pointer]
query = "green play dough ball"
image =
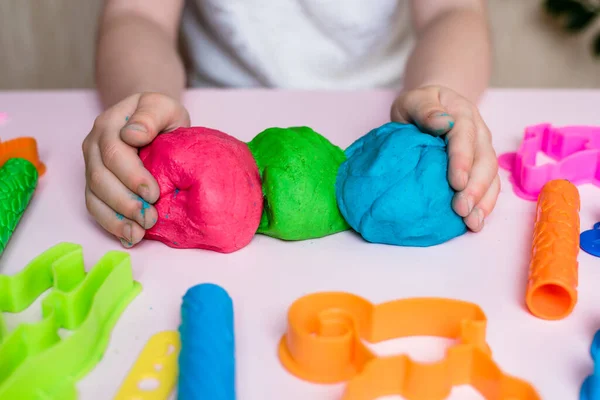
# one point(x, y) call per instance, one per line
point(298, 168)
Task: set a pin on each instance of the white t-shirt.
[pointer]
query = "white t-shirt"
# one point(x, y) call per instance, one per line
point(301, 44)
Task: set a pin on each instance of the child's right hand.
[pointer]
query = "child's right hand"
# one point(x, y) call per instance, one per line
point(119, 190)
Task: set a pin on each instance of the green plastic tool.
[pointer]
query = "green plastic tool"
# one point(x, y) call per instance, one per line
point(35, 363)
point(18, 180)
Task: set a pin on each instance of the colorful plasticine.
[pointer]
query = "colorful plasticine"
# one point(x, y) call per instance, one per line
point(324, 344)
point(298, 168)
point(210, 190)
point(35, 363)
point(207, 356)
point(576, 150)
point(18, 180)
point(309, 188)
point(393, 188)
point(553, 270)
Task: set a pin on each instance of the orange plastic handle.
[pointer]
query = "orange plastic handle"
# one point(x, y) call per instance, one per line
point(323, 344)
point(553, 271)
point(23, 147)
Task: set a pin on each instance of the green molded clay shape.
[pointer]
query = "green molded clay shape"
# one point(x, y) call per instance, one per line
point(18, 180)
point(298, 168)
point(35, 363)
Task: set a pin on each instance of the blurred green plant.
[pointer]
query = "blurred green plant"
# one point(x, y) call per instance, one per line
point(576, 16)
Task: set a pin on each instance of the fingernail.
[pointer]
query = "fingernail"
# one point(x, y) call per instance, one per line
point(125, 243)
point(470, 203)
point(480, 216)
point(450, 122)
point(463, 177)
point(145, 205)
point(127, 233)
point(144, 191)
point(136, 127)
point(467, 202)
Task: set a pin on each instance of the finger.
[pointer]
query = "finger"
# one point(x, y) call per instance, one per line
point(112, 120)
point(461, 153)
point(423, 108)
point(108, 188)
point(129, 232)
point(154, 114)
point(475, 220)
point(109, 123)
point(485, 169)
point(117, 156)
point(124, 162)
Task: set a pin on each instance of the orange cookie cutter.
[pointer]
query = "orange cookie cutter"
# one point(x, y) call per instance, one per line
point(323, 344)
point(22, 147)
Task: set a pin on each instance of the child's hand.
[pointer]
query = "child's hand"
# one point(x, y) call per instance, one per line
point(119, 190)
point(472, 162)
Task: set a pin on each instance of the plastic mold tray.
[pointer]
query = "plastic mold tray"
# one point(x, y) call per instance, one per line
point(35, 363)
point(323, 345)
point(575, 149)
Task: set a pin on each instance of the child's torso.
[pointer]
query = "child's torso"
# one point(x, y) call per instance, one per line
point(297, 43)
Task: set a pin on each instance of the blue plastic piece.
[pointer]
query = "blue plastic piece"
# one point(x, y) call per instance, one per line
point(589, 241)
point(590, 389)
point(207, 356)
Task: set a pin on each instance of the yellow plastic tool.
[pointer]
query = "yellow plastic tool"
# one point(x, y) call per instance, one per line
point(154, 374)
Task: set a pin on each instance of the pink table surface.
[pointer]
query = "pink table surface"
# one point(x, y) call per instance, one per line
point(267, 276)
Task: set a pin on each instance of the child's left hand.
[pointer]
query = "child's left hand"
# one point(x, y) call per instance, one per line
point(472, 162)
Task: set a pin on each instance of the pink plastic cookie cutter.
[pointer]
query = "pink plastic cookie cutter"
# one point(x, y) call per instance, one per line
point(575, 150)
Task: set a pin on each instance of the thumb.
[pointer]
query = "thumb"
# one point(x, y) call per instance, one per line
point(423, 108)
point(155, 113)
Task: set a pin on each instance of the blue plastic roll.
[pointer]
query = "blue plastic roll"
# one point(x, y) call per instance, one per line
point(207, 356)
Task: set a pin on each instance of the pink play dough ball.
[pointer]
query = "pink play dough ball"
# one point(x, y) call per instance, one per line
point(210, 190)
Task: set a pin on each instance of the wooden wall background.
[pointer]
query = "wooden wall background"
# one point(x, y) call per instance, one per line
point(49, 44)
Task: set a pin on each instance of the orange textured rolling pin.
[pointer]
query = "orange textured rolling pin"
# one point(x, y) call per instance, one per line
point(552, 285)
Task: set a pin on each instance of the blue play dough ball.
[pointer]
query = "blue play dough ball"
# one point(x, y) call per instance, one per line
point(393, 188)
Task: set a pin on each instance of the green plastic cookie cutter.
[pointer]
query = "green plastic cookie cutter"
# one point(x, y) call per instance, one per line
point(35, 363)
